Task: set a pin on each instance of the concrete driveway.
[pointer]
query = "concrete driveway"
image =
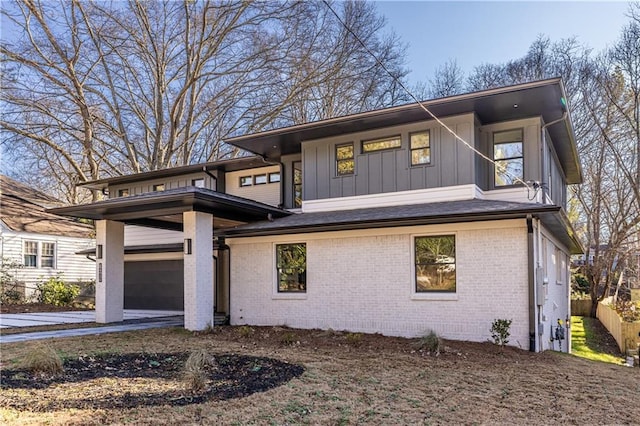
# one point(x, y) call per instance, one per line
point(74, 317)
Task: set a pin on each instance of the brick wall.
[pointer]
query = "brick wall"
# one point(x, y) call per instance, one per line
point(363, 281)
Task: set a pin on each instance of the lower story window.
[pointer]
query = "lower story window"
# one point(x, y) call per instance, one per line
point(291, 264)
point(435, 263)
point(30, 252)
point(48, 255)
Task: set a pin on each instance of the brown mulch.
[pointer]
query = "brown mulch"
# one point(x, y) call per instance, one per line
point(22, 308)
point(226, 377)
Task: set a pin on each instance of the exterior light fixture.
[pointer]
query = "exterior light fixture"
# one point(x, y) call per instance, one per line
point(99, 251)
point(187, 246)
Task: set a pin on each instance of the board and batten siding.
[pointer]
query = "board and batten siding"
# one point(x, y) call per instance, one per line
point(362, 281)
point(141, 236)
point(145, 186)
point(390, 170)
point(71, 266)
point(268, 193)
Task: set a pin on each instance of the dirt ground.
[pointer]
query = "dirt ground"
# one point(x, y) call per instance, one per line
point(347, 379)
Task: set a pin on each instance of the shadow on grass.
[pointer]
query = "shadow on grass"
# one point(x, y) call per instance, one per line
point(590, 340)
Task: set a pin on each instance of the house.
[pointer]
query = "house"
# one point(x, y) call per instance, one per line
point(378, 222)
point(41, 243)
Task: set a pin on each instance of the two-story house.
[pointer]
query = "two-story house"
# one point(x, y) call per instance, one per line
point(382, 222)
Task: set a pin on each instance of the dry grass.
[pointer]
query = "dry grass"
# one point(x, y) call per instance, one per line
point(42, 359)
point(195, 370)
point(380, 381)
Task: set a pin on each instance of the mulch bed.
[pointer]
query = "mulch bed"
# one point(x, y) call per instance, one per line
point(149, 379)
point(20, 308)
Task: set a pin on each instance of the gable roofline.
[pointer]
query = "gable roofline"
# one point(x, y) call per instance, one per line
point(534, 99)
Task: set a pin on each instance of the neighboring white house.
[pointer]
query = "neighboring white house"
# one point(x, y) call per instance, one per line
point(378, 222)
point(44, 244)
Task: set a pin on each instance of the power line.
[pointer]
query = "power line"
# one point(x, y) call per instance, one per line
point(432, 115)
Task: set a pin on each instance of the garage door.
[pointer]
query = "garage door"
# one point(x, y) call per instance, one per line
point(154, 285)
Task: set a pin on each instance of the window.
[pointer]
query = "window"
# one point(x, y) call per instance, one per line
point(274, 177)
point(158, 187)
point(420, 148)
point(297, 184)
point(47, 259)
point(508, 155)
point(246, 181)
point(381, 144)
point(198, 183)
point(345, 164)
point(435, 264)
point(260, 179)
point(291, 263)
point(30, 252)
point(123, 192)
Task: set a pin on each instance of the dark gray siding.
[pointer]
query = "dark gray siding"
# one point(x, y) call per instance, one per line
point(154, 285)
point(452, 163)
point(287, 178)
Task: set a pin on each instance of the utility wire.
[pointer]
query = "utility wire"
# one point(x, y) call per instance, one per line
point(432, 115)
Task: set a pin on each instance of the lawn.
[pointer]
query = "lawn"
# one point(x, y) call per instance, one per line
point(347, 379)
point(590, 340)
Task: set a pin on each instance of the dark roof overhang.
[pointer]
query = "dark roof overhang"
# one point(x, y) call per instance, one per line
point(164, 209)
point(536, 99)
point(420, 214)
point(229, 165)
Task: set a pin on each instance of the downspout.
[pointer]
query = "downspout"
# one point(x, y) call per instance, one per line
point(532, 285)
point(543, 145)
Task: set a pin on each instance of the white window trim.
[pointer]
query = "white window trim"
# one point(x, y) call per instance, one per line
point(55, 254)
point(39, 244)
point(275, 294)
point(434, 296)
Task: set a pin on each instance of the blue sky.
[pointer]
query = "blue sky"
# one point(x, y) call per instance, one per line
point(476, 32)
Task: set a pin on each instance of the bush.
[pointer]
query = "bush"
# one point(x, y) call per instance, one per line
point(56, 292)
point(42, 359)
point(500, 331)
point(245, 331)
point(628, 311)
point(11, 290)
point(431, 343)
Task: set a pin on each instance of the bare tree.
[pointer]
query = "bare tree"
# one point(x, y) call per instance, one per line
point(447, 81)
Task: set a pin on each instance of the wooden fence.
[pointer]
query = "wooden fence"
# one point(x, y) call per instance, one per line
point(627, 334)
point(581, 308)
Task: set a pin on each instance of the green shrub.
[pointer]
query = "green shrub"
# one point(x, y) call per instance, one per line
point(628, 311)
point(430, 342)
point(11, 290)
point(56, 292)
point(500, 331)
point(354, 338)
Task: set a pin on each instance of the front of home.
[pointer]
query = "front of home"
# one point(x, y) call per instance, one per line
point(381, 222)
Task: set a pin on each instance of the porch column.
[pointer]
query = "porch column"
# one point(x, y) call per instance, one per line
point(198, 270)
point(109, 271)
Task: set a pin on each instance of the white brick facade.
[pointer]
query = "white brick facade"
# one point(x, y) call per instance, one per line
point(362, 281)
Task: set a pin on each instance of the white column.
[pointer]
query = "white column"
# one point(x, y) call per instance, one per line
point(109, 271)
point(198, 271)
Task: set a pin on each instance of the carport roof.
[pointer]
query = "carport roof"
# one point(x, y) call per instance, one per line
point(164, 209)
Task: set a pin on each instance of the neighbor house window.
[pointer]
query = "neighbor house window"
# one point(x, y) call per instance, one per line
point(435, 263)
point(345, 164)
point(158, 187)
point(47, 259)
point(297, 184)
point(260, 179)
point(420, 144)
point(291, 264)
point(246, 181)
point(274, 177)
point(198, 183)
point(30, 252)
point(381, 144)
point(123, 192)
point(508, 156)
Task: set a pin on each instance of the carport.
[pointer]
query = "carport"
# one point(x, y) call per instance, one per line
point(197, 212)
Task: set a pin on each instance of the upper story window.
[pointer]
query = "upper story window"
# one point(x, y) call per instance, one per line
point(509, 158)
point(158, 187)
point(381, 144)
point(297, 184)
point(420, 145)
point(274, 177)
point(198, 183)
point(435, 263)
point(246, 180)
point(260, 179)
point(345, 164)
point(123, 192)
point(291, 265)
